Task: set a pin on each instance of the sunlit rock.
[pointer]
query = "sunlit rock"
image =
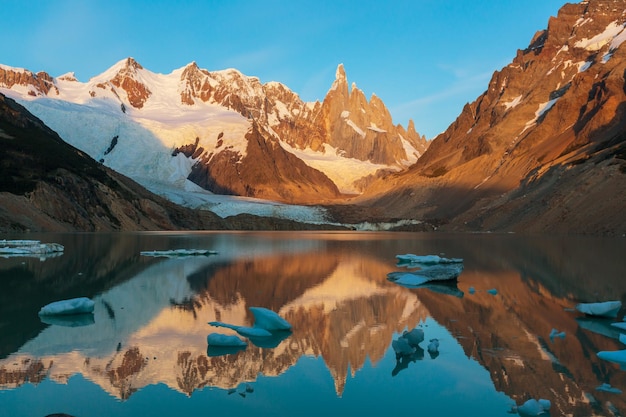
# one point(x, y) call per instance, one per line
point(602, 309)
point(73, 306)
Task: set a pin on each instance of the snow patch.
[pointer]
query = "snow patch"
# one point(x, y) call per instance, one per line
point(600, 40)
point(357, 129)
point(511, 104)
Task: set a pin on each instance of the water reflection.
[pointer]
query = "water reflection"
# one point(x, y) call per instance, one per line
point(150, 319)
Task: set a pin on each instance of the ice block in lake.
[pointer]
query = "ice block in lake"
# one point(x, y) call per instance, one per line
point(28, 247)
point(178, 253)
point(409, 258)
point(79, 305)
point(265, 322)
point(217, 339)
point(602, 309)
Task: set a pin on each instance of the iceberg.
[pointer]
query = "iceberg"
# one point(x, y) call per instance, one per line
point(267, 324)
point(79, 305)
point(268, 320)
point(217, 339)
point(533, 407)
point(9, 248)
point(410, 259)
point(617, 356)
point(69, 320)
point(433, 348)
point(602, 309)
point(414, 337)
point(608, 388)
point(178, 253)
point(423, 276)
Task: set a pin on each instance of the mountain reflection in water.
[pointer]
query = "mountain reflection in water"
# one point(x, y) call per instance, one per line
point(150, 326)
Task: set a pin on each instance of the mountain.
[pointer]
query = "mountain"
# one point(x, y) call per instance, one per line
point(543, 149)
point(46, 184)
point(222, 131)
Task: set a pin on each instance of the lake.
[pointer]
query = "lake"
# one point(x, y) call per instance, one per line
point(145, 350)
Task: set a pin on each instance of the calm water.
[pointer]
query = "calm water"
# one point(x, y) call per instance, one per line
point(145, 353)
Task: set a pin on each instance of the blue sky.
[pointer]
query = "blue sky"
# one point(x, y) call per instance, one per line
point(424, 58)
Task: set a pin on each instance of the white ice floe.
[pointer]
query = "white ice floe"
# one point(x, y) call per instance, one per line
point(217, 339)
point(419, 278)
point(617, 356)
point(177, 253)
point(533, 407)
point(79, 305)
point(433, 348)
point(268, 320)
point(425, 259)
point(414, 337)
point(602, 309)
point(265, 322)
point(608, 388)
point(554, 333)
point(28, 248)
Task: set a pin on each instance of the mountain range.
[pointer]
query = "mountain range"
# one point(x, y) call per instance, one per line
point(541, 150)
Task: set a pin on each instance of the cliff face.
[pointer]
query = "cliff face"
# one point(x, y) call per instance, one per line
point(544, 147)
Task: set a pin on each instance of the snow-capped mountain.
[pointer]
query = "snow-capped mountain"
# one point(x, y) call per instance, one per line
point(544, 147)
point(226, 132)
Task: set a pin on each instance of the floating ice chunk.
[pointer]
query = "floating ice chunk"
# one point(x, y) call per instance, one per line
point(72, 306)
point(10, 248)
point(402, 347)
point(414, 337)
point(69, 320)
point(533, 407)
point(243, 330)
point(178, 253)
point(617, 356)
point(217, 339)
point(269, 320)
point(433, 273)
point(620, 325)
point(425, 259)
point(433, 348)
point(608, 388)
point(266, 325)
point(555, 333)
point(602, 309)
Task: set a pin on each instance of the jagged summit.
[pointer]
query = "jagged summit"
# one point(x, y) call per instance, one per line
point(230, 128)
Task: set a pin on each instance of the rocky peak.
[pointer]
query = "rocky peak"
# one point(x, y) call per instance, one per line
point(128, 80)
point(39, 84)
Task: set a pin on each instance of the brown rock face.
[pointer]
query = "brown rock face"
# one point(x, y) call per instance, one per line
point(267, 171)
point(41, 83)
point(555, 115)
point(137, 92)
